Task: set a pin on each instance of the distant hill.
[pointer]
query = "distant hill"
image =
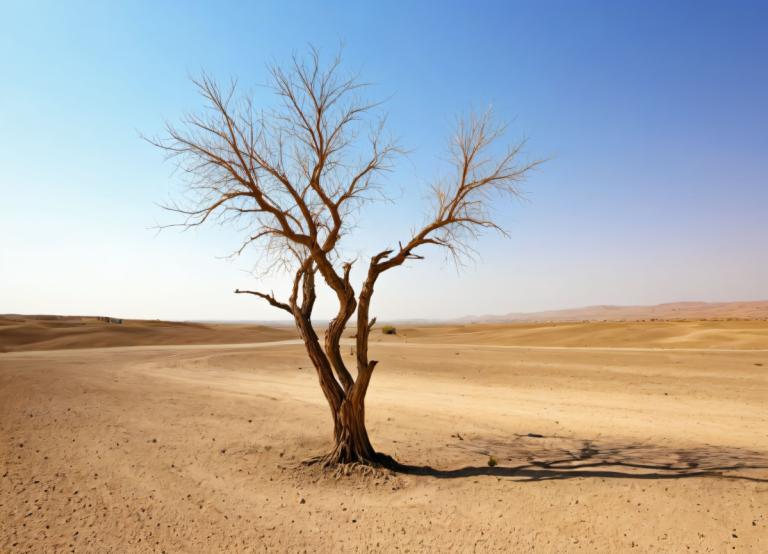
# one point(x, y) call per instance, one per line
point(51, 332)
point(671, 311)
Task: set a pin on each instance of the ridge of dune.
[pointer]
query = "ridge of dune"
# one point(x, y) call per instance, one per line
point(757, 309)
point(69, 332)
point(681, 334)
point(42, 332)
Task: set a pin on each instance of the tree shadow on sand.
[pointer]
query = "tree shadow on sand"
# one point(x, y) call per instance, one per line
point(540, 458)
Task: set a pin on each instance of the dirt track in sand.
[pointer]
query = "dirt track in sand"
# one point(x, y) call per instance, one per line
point(642, 449)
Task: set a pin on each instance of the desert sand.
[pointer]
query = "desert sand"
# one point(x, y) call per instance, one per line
point(23, 332)
point(755, 309)
point(609, 437)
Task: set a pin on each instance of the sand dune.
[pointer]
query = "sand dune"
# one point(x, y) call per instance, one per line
point(197, 449)
point(54, 333)
point(669, 311)
point(22, 332)
point(708, 334)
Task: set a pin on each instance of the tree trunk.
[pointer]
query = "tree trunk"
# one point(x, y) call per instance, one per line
point(351, 443)
point(346, 397)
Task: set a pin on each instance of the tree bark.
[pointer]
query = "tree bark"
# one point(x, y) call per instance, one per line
point(351, 442)
point(331, 390)
point(350, 436)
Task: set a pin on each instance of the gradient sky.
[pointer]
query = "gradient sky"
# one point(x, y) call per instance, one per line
point(655, 115)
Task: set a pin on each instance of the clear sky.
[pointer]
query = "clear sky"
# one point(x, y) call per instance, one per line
point(655, 115)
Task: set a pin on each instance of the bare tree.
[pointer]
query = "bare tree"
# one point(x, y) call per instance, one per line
point(291, 174)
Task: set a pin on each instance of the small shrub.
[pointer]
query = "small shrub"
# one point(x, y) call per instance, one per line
point(492, 462)
point(389, 330)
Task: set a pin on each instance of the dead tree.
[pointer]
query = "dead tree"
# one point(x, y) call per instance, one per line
point(290, 174)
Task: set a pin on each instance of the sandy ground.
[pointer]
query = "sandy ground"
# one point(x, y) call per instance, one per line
point(197, 448)
point(674, 310)
point(20, 332)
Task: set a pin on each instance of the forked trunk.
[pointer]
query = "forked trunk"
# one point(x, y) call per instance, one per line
point(351, 443)
point(345, 395)
point(350, 437)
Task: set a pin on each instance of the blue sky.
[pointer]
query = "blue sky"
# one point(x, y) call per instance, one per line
point(654, 116)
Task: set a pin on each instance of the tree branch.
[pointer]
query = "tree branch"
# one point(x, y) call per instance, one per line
point(269, 298)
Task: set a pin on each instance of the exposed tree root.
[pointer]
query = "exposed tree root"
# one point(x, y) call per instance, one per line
point(376, 466)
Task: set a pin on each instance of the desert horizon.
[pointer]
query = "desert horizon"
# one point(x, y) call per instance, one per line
point(688, 309)
point(743, 324)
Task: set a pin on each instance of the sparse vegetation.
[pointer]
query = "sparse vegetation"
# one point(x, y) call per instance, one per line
point(492, 462)
point(389, 330)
